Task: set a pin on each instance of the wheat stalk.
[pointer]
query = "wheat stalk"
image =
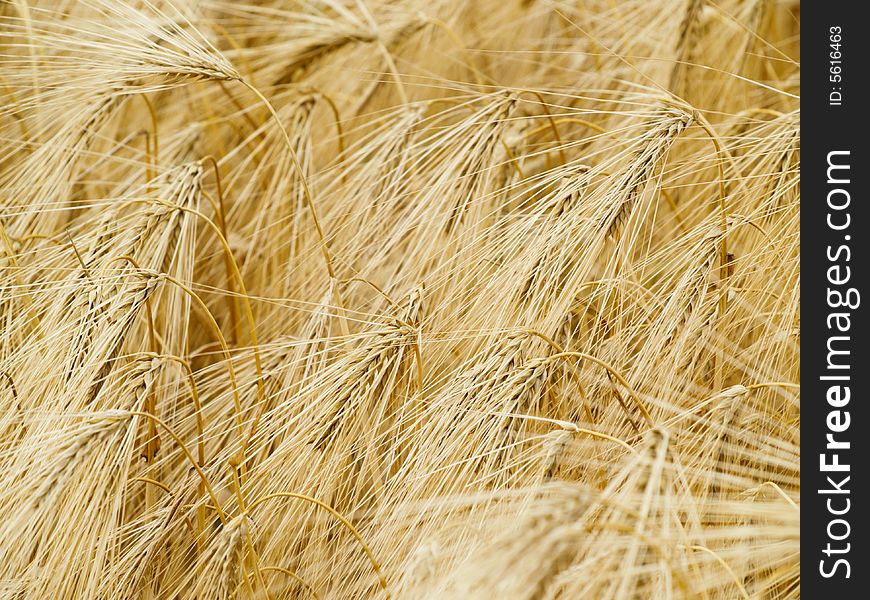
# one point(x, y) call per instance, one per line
point(365, 298)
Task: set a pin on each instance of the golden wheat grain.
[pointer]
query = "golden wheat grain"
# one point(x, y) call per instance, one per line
point(366, 299)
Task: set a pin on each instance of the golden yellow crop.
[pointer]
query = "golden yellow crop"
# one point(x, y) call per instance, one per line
point(419, 299)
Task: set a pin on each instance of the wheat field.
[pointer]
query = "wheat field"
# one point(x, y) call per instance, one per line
point(410, 299)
